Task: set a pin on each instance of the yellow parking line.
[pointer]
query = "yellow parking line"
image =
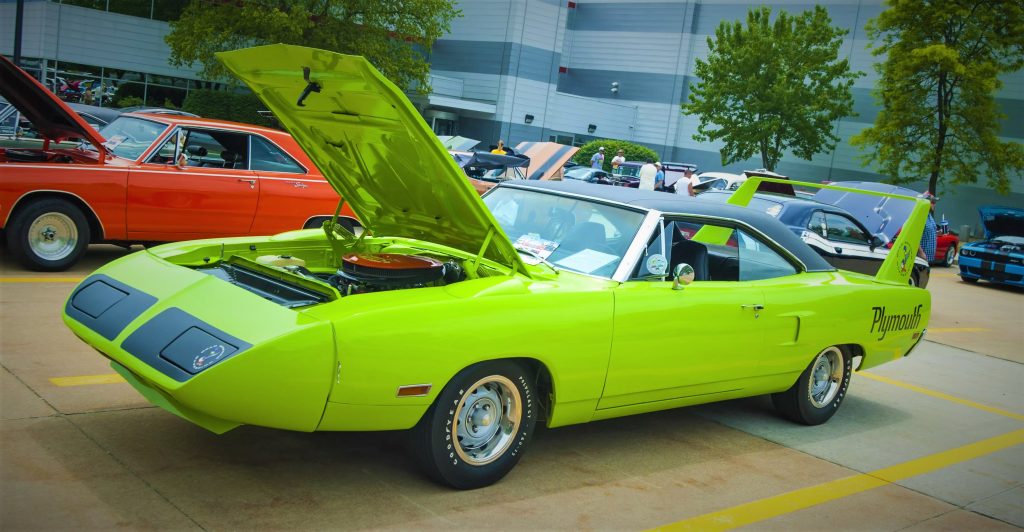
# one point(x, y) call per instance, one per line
point(956, 329)
point(86, 380)
point(941, 395)
point(41, 279)
point(770, 507)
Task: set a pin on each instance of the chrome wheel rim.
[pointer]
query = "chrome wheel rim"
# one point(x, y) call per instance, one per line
point(950, 254)
point(52, 236)
point(487, 420)
point(826, 377)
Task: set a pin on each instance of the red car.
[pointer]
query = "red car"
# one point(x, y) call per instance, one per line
point(146, 178)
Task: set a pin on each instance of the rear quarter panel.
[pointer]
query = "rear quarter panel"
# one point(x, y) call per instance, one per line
point(812, 311)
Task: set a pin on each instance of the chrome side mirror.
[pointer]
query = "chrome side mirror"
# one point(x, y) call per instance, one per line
point(682, 275)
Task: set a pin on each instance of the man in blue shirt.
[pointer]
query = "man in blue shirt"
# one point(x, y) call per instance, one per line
point(598, 159)
point(931, 234)
point(659, 178)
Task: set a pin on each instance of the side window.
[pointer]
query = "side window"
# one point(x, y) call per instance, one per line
point(216, 149)
point(167, 152)
point(726, 254)
point(843, 229)
point(710, 262)
point(758, 261)
point(270, 158)
point(817, 224)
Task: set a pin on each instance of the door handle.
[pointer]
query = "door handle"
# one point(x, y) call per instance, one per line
point(252, 182)
point(757, 307)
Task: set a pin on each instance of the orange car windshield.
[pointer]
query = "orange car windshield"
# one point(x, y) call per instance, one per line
point(129, 137)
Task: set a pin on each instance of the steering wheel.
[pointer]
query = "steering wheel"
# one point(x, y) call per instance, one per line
point(560, 221)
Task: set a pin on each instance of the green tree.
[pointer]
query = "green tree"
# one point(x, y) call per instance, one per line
point(767, 87)
point(633, 152)
point(939, 117)
point(394, 35)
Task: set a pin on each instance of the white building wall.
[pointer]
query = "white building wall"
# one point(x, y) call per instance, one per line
point(88, 36)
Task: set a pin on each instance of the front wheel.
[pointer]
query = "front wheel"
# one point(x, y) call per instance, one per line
point(969, 279)
point(48, 235)
point(479, 426)
point(820, 389)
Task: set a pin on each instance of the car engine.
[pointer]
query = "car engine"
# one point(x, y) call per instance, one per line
point(376, 272)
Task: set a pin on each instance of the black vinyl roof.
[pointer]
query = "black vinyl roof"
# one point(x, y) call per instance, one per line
point(681, 204)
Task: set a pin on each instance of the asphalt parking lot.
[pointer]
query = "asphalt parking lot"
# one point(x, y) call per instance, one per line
point(930, 442)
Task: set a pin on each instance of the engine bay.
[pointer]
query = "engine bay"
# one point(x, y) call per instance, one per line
point(307, 276)
point(47, 156)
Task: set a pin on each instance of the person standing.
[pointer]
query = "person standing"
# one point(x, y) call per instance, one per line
point(930, 236)
point(620, 157)
point(659, 177)
point(647, 174)
point(597, 161)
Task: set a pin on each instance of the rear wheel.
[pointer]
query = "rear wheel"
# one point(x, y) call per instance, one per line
point(479, 426)
point(950, 255)
point(48, 235)
point(820, 389)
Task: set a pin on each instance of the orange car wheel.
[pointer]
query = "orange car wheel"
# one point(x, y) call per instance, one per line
point(48, 235)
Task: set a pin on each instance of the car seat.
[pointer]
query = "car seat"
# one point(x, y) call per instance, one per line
point(231, 159)
point(693, 253)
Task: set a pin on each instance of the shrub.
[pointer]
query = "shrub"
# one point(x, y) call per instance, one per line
point(129, 101)
point(226, 105)
point(634, 152)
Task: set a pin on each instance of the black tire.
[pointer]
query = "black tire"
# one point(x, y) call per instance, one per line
point(48, 235)
point(947, 261)
point(799, 405)
point(969, 279)
point(441, 441)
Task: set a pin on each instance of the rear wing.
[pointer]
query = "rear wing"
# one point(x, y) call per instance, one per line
point(898, 265)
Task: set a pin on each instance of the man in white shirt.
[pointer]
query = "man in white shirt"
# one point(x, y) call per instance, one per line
point(691, 181)
point(620, 157)
point(647, 174)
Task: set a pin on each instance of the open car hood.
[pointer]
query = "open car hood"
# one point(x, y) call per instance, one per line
point(372, 146)
point(1001, 221)
point(546, 158)
point(52, 118)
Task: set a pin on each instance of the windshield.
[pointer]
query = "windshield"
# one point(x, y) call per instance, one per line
point(129, 137)
point(631, 170)
point(579, 172)
point(571, 233)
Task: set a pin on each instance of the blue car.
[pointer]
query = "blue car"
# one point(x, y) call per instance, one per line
point(1000, 257)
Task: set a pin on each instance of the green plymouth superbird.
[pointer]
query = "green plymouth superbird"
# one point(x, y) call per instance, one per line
point(468, 320)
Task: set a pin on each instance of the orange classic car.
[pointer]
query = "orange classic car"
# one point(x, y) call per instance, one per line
point(146, 178)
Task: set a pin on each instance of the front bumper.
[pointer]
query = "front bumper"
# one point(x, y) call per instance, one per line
point(996, 272)
point(203, 349)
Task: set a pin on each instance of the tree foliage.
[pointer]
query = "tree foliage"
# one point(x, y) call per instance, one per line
point(633, 152)
point(767, 87)
point(938, 81)
point(394, 35)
